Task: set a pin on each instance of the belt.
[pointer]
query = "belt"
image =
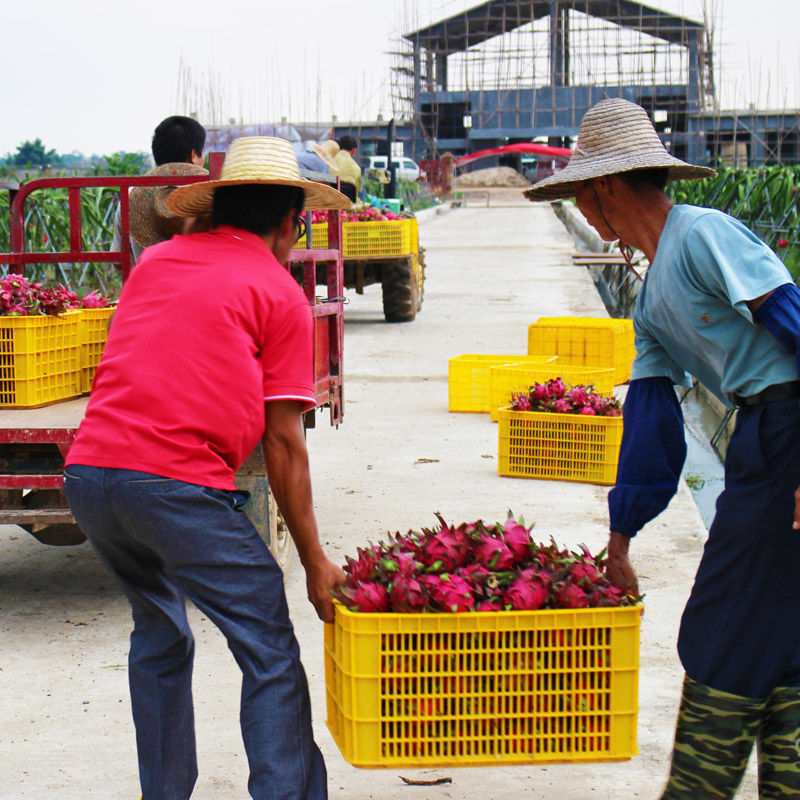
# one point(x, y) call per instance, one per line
point(778, 391)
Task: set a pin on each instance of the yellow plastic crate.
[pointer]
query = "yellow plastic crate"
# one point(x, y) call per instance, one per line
point(564, 447)
point(94, 333)
point(508, 379)
point(504, 687)
point(468, 378)
point(396, 237)
point(586, 341)
point(40, 360)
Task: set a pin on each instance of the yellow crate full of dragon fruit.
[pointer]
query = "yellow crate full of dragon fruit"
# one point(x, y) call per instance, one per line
point(93, 335)
point(396, 237)
point(39, 359)
point(479, 688)
point(508, 379)
point(564, 447)
point(586, 341)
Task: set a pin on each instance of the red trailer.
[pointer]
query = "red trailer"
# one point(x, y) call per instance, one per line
point(34, 441)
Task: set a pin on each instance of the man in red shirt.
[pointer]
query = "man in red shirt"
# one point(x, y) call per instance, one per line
point(211, 350)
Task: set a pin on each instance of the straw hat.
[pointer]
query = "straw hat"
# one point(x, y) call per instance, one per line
point(255, 160)
point(615, 136)
point(330, 147)
point(151, 220)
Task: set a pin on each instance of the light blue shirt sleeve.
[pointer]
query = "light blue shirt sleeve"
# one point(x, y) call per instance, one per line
point(733, 263)
point(653, 361)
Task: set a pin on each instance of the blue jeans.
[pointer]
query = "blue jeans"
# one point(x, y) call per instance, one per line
point(164, 540)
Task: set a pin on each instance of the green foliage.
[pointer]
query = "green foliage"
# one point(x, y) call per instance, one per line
point(122, 164)
point(47, 230)
point(409, 191)
point(34, 154)
point(765, 199)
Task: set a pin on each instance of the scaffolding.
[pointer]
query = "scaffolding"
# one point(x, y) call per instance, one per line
point(520, 65)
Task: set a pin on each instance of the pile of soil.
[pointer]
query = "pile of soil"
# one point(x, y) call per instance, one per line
point(493, 176)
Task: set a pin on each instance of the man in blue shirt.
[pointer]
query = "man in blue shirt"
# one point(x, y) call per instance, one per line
point(716, 303)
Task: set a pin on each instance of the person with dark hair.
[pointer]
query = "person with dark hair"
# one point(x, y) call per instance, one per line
point(176, 140)
point(179, 139)
point(349, 171)
point(210, 353)
point(718, 304)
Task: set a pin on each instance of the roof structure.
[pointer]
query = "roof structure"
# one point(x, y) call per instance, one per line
point(496, 17)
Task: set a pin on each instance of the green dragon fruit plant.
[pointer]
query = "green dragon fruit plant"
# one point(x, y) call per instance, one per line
point(475, 567)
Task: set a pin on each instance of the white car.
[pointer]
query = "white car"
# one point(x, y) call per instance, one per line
point(407, 168)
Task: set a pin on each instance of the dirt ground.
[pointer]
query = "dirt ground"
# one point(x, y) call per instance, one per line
point(399, 456)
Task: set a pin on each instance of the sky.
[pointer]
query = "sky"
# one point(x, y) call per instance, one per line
point(96, 77)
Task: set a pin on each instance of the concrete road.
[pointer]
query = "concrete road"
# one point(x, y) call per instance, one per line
point(65, 729)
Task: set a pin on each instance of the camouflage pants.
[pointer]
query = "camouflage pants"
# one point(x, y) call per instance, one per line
point(715, 735)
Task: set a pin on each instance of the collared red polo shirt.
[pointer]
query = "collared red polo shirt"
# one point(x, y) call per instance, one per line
point(209, 327)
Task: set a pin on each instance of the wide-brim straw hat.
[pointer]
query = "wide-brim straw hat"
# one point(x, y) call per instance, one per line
point(615, 136)
point(256, 160)
point(151, 220)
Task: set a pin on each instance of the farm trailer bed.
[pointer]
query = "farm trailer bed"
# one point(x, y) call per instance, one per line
point(35, 441)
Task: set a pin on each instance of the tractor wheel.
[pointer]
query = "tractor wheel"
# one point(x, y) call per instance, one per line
point(56, 534)
point(281, 544)
point(400, 291)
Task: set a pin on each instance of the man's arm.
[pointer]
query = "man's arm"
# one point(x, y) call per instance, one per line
point(779, 312)
point(650, 462)
point(289, 478)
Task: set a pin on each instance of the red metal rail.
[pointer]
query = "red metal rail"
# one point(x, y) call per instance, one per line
point(328, 310)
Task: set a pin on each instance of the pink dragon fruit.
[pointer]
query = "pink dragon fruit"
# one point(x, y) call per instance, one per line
point(493, 553)
point(493, 603)
point(562, 406)
point(557, 388)
point(528, 592)
point(93, 300)
point(521, 402)
point(451, 592)
point(578, 396)
point(605, 596)
point(365, 596)
point(365, 567)
point(584, 573)
point(447, 546)
point(587, 411)
point(518, 538)
point(539, 392)
point(408, 594)
point(569, 595)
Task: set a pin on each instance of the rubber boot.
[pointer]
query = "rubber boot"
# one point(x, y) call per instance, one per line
point(714, 736)
point(779, 746)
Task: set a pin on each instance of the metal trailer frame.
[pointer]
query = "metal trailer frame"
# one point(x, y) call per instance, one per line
point(34, 442)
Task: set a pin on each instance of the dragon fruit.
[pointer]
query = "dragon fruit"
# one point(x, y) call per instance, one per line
point(528, 592)
point(408, 594)
point(555, 396)
point(517, 538)
point(570, 595)
point(366, 596)
point(584, 573)
point(365, 567)
point(539, 392)
point(578, 396)
point(452, 593)
point(475, 567)
point(493, 552)
point(447, 546)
